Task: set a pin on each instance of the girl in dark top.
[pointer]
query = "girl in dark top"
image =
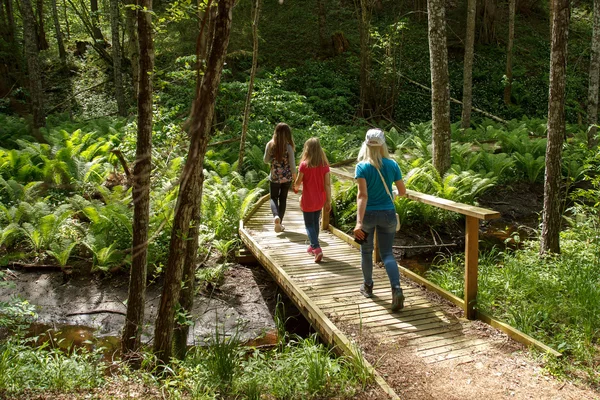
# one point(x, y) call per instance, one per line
point(279, 152)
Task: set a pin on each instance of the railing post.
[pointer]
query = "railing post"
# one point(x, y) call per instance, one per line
point(324, 220)
point(471, 265)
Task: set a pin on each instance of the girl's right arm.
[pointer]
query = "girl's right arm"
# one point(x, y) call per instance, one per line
point(267, 158)
point(361, 206)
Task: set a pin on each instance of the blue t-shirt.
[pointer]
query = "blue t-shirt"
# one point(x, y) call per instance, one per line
point(378, 197)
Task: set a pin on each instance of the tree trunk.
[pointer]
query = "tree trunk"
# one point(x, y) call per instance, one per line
point(191, 181)
point(250, 86)
point(42, 42)
point(509, 51)
point(115, 18)
point(440, 86)
point(186, 297)
point(468, 65)
point(66, 20)
point(324, 42)
point(141, 186)
point(364, 24)
point(33, 68)
point(556, 128)
point(133, 50)
point(59, 40)
point(95, 17)
point(592, 110)
point(487, 27)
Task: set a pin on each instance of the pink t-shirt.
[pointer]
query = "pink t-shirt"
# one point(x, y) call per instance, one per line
point(313, 187)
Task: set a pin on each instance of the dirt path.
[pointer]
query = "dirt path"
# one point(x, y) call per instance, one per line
point(503, 370)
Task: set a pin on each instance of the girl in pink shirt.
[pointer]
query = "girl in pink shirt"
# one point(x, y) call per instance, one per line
point(313, 174)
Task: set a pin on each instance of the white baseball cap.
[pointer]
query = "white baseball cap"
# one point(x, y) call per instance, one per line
point(375, 137)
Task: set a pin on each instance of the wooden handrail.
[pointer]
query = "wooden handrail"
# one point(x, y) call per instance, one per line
point(473, 215)
point(465, 209)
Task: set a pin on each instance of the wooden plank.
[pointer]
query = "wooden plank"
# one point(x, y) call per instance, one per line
point(516, 334)
point(465, 209)
point(254, 209)
point(393, 318)
point(451, 347)
point(456, 354)
point(471, 261)
point(426, 331)
point(380, 310)
point(314, 315)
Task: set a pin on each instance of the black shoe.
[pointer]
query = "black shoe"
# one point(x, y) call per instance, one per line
point(366, 290)
point(397, 299)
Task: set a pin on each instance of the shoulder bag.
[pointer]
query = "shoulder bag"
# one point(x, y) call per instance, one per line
point(391, 197)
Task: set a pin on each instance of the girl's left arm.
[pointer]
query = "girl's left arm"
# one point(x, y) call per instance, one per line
point(298, 181)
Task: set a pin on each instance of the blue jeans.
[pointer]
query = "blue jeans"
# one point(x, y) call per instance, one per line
point(385, 222)
point(311, 222)
point(279, 193)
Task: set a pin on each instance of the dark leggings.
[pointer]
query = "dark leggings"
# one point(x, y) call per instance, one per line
point(279, 193)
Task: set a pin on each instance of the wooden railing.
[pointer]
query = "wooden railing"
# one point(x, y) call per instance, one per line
point(473, 216)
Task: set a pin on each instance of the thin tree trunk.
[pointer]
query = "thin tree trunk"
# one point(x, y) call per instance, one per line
point(96, 21)
point(66, 20)
point(41, 30)
point(59, 40)
point(116, 57)
point(133, 51)
point(509, 51)
point(250, 86)
point(324, 42)
point(594, 79)
point(487, 29)
point(440, 85)
point(191, 181)
point(468, 65)
point(556, 128)
point(33, 68)
point(141, 186)
point(364, 23)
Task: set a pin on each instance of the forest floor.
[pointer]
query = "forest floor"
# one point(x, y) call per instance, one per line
point(505, 370)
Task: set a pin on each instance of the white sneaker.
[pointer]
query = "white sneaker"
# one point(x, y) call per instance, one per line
point(277, 222)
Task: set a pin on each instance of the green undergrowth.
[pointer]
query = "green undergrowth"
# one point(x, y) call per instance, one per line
point(221, 367)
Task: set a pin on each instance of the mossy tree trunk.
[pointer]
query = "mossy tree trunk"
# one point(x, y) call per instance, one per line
point(467, 99)
point(440, 86)
point(115, 20)
point(592, 111)
point(141, 185)
point(556, 128)
point(250, 85)
point(509, 51)
point(186, 297)
point(190, 189)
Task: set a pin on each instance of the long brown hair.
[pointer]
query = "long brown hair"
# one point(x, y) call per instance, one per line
point(313, 153)
point(282, 136)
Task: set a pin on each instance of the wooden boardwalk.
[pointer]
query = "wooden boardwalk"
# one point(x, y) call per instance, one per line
point(327, 293)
